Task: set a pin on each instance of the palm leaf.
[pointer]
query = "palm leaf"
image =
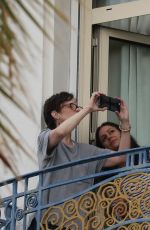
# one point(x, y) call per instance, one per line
point(11, 82)
point(7, 163)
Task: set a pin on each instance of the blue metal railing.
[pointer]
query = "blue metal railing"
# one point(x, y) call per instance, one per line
point(16, 208)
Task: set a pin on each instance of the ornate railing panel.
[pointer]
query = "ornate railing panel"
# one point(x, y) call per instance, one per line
point(120, 202)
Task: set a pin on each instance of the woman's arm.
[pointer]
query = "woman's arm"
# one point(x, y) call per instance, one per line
point(125, 127)
point(125, 139)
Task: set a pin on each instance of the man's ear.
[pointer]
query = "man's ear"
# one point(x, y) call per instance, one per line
point(55, 115)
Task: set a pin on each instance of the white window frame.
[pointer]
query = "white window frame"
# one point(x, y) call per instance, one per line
point(54, 48)
point(48, 53)
point(88, 18)
point(120, 11)
point(60, 59)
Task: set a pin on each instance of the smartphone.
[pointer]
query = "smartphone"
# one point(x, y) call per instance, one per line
point(113, 104)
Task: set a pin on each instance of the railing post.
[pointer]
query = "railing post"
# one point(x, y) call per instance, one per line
point(14, 206)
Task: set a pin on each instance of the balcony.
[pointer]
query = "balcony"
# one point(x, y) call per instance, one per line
point(122, 201)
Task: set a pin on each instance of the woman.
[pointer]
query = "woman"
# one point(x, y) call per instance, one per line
point(108, 136)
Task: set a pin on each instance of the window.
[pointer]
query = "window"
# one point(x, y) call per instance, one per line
point(90, 21)
point(124, 71)
point(101, 3)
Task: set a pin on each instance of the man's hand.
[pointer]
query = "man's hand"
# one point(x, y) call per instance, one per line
point(93, 103)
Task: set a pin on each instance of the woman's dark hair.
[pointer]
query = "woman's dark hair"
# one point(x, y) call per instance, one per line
point(134, 144)
point(54, 104)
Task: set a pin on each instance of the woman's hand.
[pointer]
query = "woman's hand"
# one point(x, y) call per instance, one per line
point(123, 115)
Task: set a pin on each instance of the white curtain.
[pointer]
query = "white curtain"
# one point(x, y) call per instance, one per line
point(135, 89)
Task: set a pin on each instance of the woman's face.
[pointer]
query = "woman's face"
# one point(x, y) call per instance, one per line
point(110, 137)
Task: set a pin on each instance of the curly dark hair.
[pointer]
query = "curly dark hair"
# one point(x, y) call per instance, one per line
point(54, 104)
point(98, 142)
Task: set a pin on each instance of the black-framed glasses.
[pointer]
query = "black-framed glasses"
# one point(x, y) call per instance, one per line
point(72, 106)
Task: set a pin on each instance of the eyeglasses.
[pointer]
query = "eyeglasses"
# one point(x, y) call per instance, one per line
point(72, 106)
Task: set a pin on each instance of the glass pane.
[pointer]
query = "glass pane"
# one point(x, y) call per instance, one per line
point(140, 24)
point(129, 78)
point(100, 3)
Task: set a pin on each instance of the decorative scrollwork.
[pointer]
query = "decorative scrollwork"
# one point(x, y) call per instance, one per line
point(2, 223)
point(122, 228)
point(54, 216)
point(145, 205)
point(134, 226)
point(107, 191)
point(94, 222)
point(74, 224)
point(103, 204)
point(31, 201)
point(119, 209)
point(135, 185)
point(19, 214)
point(145, 226)
point(70, 208)
point(118, 181)
point(134, 213)
point(5, 213)
point(116, 202)
point(109, 221)
point(87, 203)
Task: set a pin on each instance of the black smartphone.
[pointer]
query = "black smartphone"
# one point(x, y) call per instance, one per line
point(113, 104)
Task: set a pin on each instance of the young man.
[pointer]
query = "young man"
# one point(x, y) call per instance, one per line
point(55, 146)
